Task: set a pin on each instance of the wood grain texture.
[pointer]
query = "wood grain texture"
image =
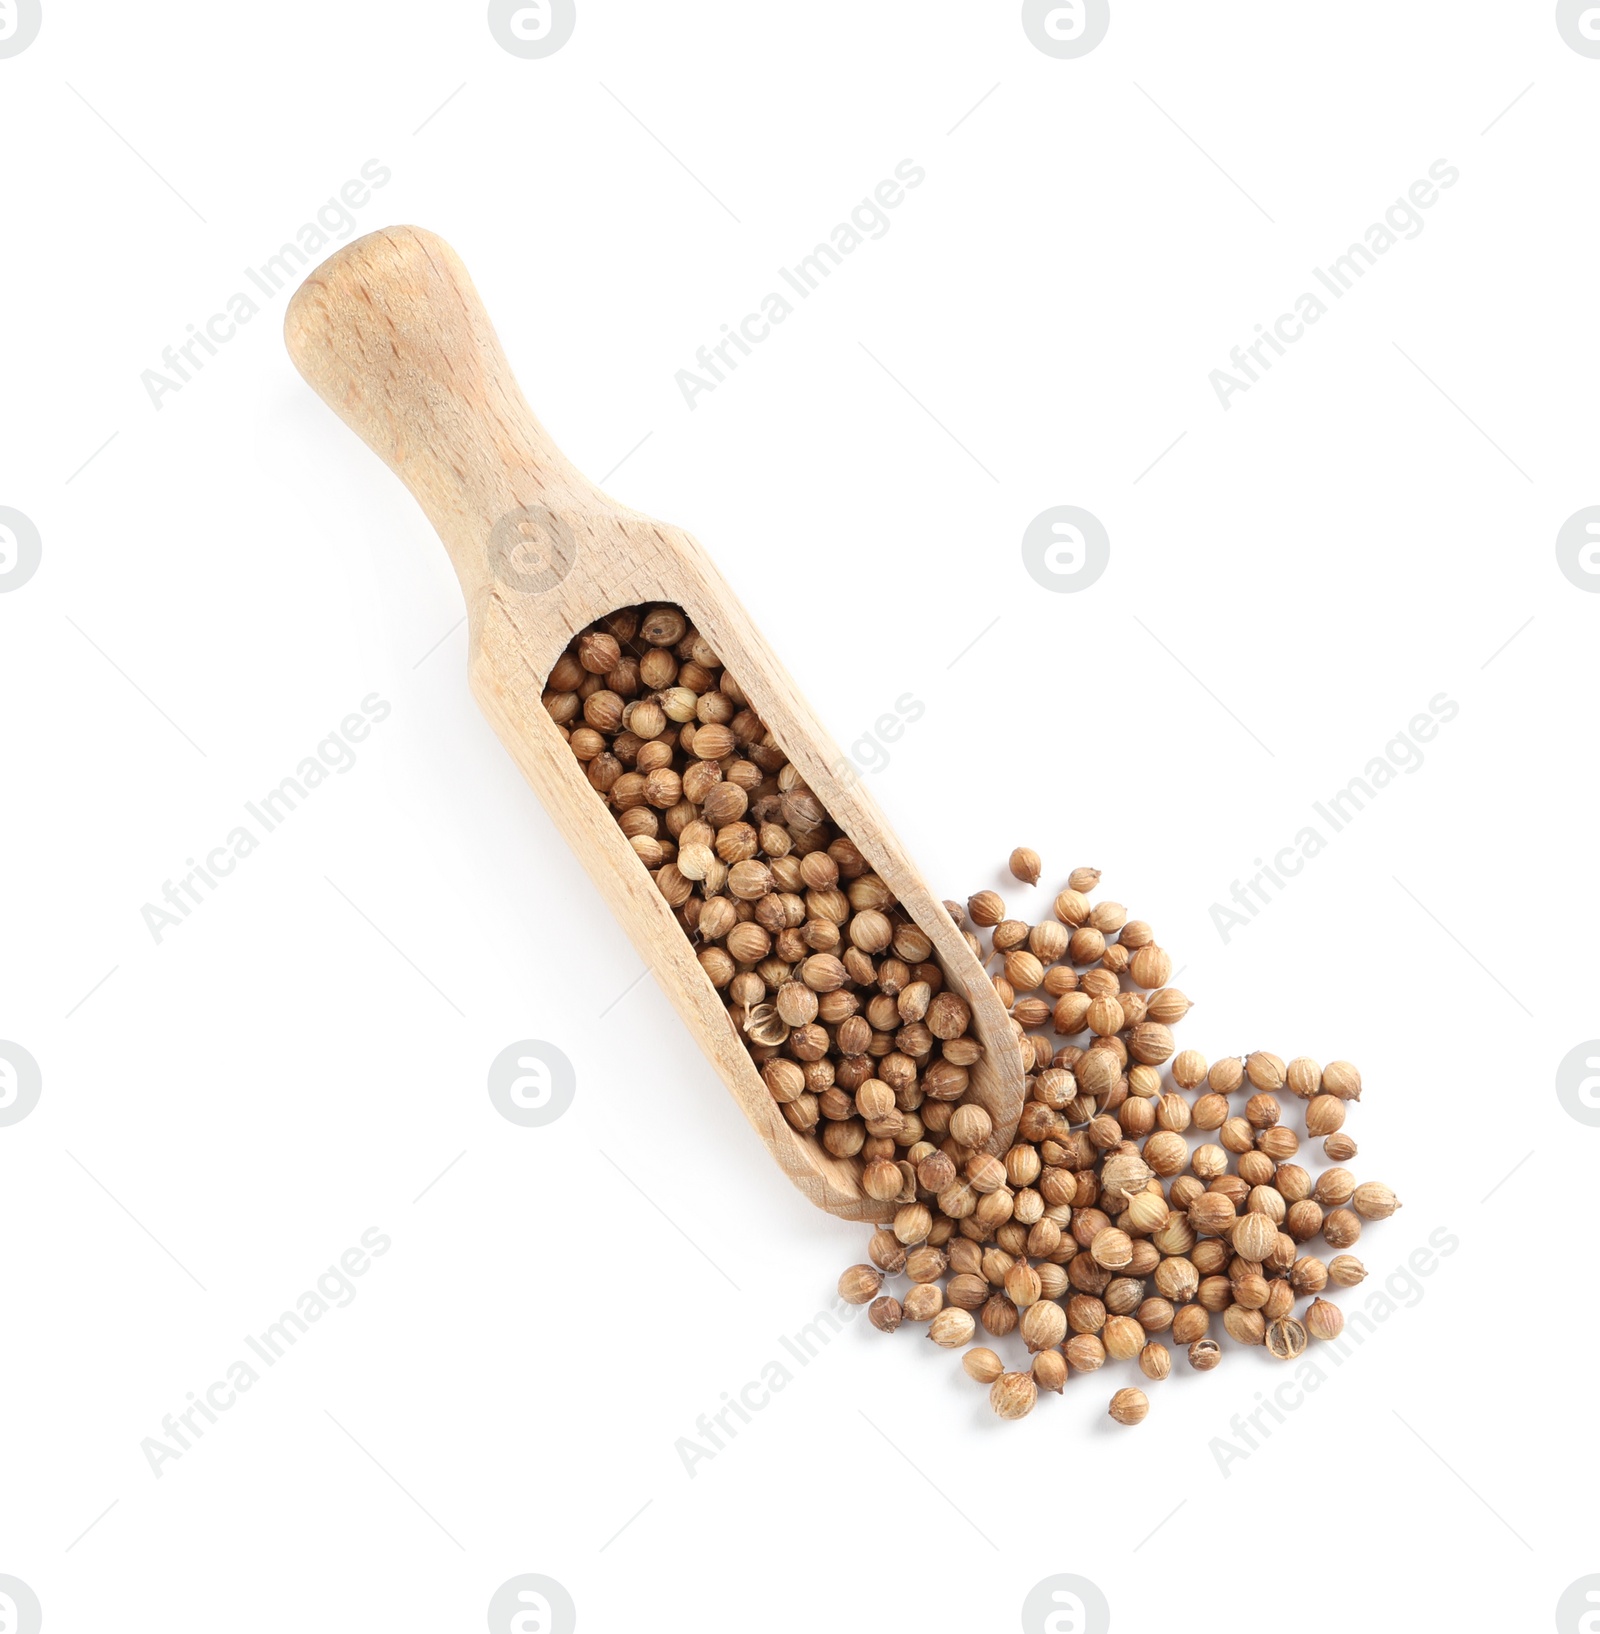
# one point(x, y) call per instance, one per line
point(392, 335)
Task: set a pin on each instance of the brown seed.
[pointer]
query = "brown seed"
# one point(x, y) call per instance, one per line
point(1373, 1201)
point(1013, 1395)
point(1255, 1236)
point(860, 1284)
point(971, 1126)
point(984, 1173)
point(749, 880)
point(1212, 1214)
point(983, 1365)
point(1204, 1354)
point(1324, 1320)
point(1334, 1186)
point(1177, 1279)
point(1043, 1325)
point(948, 1016)
point(1130, 1406)
point(1266, 1070)
point(1286, 1339)
point(1111, 1248)
point(1324, 1115)
point(1308, 1275)
point(987, 908)
point(1188, 1069)
point(1341, 1079)
point(885, 1314)
point(1022, 1285)
point(1166, 1152)
point(598, 652)
point(1050, 1370)
point(881, 1180)
point(822, 973)
point(1123, 1338)
point(1155, 1315)
point(1155, 1361)
point(1210, 1112)
point(1262, 1111)
point(912, 1223)
point(1280, 1299)
point(1151, 966)
point(1190, 1325)
point(998, 1316)
point(1293, 1182)
point(1025, 865)
point(966, 1290)
point(1303, 1077)
point(1279, 1144)
point(886, 1251)
point(952, 1328)
point(1304, 1220)
point(1150, 1042)
point(923, 1302)
point(1346, 1271)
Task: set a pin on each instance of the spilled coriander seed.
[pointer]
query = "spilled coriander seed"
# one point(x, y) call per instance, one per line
point(1149, 1196)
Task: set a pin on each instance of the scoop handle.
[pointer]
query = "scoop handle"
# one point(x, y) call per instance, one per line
point(392, 335)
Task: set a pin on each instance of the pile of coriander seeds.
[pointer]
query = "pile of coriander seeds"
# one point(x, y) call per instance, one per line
point(1101, 1235)
point(833, 989)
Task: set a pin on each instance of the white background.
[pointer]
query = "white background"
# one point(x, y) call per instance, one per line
point(226, 1112)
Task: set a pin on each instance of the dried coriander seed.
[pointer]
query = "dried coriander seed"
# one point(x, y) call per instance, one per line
point(1050, 1370)
point(923, 1302)
point(860, 1284)
point(986, 908)
point(982, 1365)
point(1025, 865)
point(1155, 1361)
point(1013, 1395)
point(1190, 1325)
point(1265, 1070)
point(1130, 1406)
point(952, 1328)
point(1342, 1079)
point(1286, 1339)
point(1303, 1076)
point(1122, 1338)
point(1324, 1116)
point(1043, 1325)
point(1373, 1201)
point(1324, 1320)
point(886, 1251)
point(885, 1314)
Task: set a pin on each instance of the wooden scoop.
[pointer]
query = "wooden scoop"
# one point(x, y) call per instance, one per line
point(392, 335)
